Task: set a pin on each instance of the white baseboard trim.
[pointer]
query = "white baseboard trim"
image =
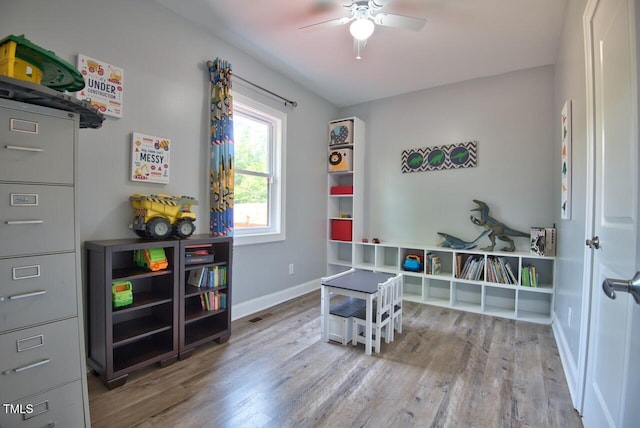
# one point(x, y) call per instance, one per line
point(568, 366)
point(263, 302)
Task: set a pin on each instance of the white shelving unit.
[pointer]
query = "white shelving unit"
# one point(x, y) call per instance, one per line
point(514, 301)
point(346, 210)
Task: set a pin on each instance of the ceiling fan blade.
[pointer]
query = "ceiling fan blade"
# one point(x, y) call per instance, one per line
point(379, 4)
point(329, 23)
point(399, 21)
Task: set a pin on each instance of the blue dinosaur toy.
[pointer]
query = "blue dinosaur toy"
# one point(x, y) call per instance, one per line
point(458, 244)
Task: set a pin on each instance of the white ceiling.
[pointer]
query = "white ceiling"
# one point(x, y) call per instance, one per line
point(462, 40)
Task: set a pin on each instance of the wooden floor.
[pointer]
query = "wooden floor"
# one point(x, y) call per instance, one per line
point(447, 369)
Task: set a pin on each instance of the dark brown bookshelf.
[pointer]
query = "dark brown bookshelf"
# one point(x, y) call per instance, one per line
point(165, 321)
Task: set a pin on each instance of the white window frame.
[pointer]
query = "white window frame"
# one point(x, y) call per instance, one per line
point(278, 119)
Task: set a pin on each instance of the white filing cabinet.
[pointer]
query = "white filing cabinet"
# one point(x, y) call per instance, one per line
point(42, 356)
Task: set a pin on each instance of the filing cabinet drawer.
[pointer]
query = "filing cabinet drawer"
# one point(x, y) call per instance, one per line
point(37, 289)
point(39, 358)
point(36, 147)
point(60, 407)
point(36, 219)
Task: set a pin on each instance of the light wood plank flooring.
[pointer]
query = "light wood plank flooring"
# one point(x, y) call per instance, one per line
point(446, 369)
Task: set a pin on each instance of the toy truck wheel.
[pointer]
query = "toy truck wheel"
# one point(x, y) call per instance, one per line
point(158, 228)
point(184, 228)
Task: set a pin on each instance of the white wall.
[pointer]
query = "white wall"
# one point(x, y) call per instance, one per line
point(512, 118)
point(570, 85)
point(167, 94)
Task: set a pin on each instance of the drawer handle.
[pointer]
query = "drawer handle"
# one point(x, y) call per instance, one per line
point(25, 295)
point(24, 221)
point(24, 148)
point(27, 367)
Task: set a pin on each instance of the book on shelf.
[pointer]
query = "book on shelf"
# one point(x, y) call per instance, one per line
point(543, 241)
point(529, 276)
point(213, 301)
point(433, 265)
point(473, 268)
point(208, 277)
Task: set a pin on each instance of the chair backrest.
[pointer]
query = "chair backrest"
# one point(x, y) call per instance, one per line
point(385, 298)
point(398, 289)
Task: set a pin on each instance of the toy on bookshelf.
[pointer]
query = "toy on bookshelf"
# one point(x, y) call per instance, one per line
point(413, 263)
point(153, 259)
point(451, 241)
point(121, 293)
point(497, 229)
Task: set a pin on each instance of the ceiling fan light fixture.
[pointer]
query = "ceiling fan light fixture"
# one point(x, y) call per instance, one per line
point(361, 29)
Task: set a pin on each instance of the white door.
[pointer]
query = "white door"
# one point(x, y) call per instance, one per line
point(613, 375)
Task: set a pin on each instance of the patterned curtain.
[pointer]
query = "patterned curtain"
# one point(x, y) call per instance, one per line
point(221, 169)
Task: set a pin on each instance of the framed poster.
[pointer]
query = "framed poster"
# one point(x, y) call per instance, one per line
point(565, 202)
point(104, 86)
point(150, 158)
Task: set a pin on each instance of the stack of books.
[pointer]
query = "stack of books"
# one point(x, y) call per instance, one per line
point(208, 277)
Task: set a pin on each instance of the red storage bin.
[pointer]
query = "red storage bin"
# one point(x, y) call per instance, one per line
point(341, 190)
point(341, 230)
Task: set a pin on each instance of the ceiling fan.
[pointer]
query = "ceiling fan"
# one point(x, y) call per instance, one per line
point(365, 15)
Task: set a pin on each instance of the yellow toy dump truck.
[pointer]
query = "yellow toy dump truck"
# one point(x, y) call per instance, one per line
point(159, 216)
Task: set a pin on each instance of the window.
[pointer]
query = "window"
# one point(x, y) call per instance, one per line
point(259, 143)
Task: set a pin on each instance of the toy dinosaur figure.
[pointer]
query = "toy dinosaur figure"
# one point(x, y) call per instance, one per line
point(498, 229)
point(459, 244)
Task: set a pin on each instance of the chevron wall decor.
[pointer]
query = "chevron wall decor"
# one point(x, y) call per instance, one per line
point(435, 158)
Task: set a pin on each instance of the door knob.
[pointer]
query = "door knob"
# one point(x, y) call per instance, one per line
point(593, 243)
point(610, 286)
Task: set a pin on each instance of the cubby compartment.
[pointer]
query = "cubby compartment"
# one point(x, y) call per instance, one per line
point(544, 268)
point(412, 287)
point(502, 269)
point(437, 292)
point(365, 256)
point(469, 266)
point(534, 305)
point(500, 301)
point(411, 253)
point(466, 296)
point(340, 206)
point(438, 263)
point(339, 253)
point(387, 258)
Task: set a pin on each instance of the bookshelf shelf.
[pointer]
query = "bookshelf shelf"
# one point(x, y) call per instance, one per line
point(492, 291)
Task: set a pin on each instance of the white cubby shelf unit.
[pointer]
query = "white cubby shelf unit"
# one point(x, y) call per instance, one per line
point(346, 210)
point(446, 289)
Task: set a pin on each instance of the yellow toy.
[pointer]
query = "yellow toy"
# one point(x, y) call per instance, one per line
point(159, 216)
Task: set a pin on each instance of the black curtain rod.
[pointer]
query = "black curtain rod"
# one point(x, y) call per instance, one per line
point(286, 101)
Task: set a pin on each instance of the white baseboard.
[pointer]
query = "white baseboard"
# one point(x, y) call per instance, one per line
point(568, 366)
point(263, 302)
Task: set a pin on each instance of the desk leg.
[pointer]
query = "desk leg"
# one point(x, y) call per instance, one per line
point(369, 325)
point(325, 299)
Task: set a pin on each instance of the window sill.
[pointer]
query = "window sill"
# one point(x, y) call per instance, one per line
point(262, 238)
